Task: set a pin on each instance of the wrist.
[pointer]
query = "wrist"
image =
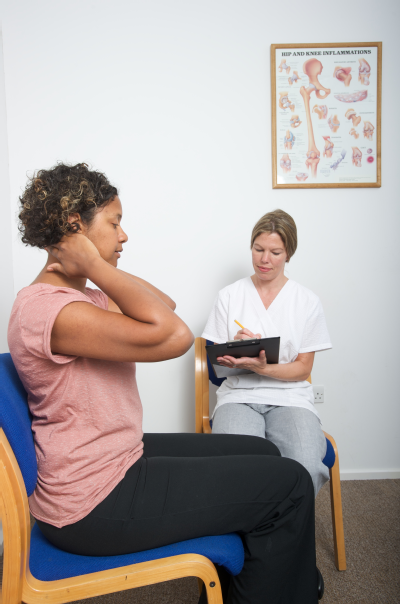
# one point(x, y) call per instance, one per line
point(96, 268)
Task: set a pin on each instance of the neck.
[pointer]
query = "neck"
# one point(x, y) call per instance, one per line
point(270, 286)
point(59, 279)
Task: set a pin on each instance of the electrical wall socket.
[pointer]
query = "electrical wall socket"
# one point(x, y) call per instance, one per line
point(318, 394)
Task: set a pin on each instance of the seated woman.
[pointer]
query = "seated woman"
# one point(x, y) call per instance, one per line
point(103, 487)
point(276, 401)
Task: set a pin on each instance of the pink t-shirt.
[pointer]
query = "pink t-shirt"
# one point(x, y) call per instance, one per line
point(87, 414)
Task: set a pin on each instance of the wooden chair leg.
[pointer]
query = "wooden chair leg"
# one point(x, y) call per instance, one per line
point(337, 516)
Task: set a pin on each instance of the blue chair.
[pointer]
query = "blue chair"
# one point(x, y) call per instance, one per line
point(35, 571)
point(203, 375)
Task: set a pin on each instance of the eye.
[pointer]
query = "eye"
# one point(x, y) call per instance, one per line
point(114, 225)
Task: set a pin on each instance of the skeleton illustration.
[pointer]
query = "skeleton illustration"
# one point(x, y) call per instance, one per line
point(354, 133)
point(343, 75)
point(293, 78)
point(357, 155)
point(312, 68)
point(284, 102)
point(351, 115)
point(364, 71)
point(295, 121)
point(301, 176)
point(321, 111)
point(285, 162)
point(288, 140)
point(352, 97)
point(368, 130)
point(339, 159)
point(328, 146)
point(333, 123)
point(283, 66)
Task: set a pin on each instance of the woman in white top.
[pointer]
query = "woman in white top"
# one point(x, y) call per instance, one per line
point(276, 401)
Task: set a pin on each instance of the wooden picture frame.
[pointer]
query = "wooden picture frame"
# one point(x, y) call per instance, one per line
point(336, 144)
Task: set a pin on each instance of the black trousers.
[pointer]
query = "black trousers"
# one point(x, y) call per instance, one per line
point(193, 485)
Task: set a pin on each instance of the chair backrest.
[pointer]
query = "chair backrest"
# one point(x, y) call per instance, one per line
point(15, 420)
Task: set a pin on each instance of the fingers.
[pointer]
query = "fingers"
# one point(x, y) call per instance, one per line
point(245, 334)
point(56, 268)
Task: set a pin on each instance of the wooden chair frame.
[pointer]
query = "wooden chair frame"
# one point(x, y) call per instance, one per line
point(20, 586)
point(202, 390)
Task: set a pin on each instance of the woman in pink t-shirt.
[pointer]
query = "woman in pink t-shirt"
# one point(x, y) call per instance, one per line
point(103, 487)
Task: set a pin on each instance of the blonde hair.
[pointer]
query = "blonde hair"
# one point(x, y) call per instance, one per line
point(279, 222)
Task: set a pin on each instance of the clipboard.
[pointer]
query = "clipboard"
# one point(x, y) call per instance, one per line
point(242, 348)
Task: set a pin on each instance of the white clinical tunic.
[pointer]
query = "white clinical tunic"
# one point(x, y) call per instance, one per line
point(296, 316)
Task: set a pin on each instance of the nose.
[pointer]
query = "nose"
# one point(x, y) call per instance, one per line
point(265, 258)
point(123, 237)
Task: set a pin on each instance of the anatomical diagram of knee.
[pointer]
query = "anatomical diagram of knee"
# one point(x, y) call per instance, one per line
point(284, 102)
point(285, 163)
point(368, 130)
point(343, 75)
point(333, 123)
point(328, 148)
point(295, 121)
point(283, 66)
point(321, 111)
point(293, 78)
point(364, 71)
point(357, 156)
point(301, 176)
point(351, 115)
point(288, 140)
point(354, 133)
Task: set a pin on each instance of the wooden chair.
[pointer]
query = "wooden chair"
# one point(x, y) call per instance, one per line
point(35, 571)
point(331, 460)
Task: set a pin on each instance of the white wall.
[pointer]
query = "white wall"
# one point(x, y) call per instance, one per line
point(172, 100)
point(7, 282)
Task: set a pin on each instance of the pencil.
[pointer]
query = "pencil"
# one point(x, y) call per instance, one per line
point(241, 326)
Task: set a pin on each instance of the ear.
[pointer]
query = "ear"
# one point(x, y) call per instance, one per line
point(75, 219)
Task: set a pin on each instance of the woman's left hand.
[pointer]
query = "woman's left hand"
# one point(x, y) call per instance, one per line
point(256, 364)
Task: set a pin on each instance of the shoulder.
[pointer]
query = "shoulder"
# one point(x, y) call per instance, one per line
point(234, 289)
point(98, 297)
point(303, 295)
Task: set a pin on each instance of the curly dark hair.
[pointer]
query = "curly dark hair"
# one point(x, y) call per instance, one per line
point(52, 195)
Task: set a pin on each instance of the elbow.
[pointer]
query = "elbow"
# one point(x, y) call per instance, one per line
point(182, 341)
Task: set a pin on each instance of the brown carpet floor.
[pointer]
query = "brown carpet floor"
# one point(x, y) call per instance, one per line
point(371, 511)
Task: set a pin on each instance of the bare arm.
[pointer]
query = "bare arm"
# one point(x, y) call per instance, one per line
point(147, 331)
point(168, 301)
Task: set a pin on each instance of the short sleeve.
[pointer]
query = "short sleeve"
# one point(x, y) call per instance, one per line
point(315, 334)
point(216, 328)
point(99, 298)
point(37, 319)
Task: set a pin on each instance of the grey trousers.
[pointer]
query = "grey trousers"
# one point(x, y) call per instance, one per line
point(295, 431)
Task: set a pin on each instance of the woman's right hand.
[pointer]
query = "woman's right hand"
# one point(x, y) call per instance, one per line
point(246, 334)
point(75, 254)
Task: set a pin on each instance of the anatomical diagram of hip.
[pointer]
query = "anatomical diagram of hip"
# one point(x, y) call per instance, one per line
point(312, 68)
point(357, 155)
point(328, 148)
point(285, 163)
point(284, 102)
point(295, 121)
point(351, 115)
point(289, 140)
point(293, 78)
point(284, 67)
point(343, 75)
point(368, 130)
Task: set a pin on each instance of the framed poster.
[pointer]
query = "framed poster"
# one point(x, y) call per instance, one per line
point(326, 115)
